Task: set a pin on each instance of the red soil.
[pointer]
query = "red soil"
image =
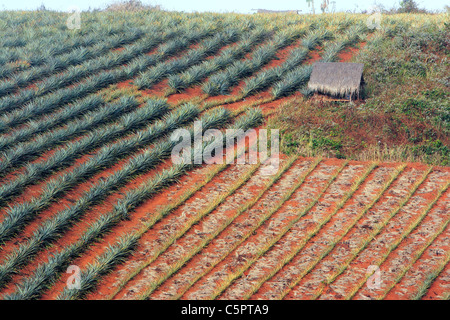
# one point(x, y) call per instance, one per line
point(241, 196)
point(266, 233)
point(440, 286)
point(348, 54)
point(354, 275)
point(430, 261)
point(296, 238)
point(138, 218)
point(188, 94)
point(122, 228)
point(352, 240)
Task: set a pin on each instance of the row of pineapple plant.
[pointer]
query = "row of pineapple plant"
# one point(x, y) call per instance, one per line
point(195, 74)
point(62, 97)
point(208, 47)
point(221, 82)
point(62, 62)
point(299, 76)
point(64, 157)
point(26, 151)
point(265, 78)
point(136, 165)
point(77, 73)
point(46, 273)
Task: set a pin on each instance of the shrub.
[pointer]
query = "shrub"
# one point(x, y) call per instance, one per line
point(131, 5)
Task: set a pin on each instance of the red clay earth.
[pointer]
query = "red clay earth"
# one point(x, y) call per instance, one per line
point(315, 281)
point(312, 188)
point(145, 213)
point(291, 242)
point(441, 286)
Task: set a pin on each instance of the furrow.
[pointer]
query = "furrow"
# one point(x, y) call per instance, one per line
point(360, 194)
point(202, 234)
point(410, 249)
point(356, 274)
point(440, 288)
point(268, 233)
point(414, 285)
point(173, 225)
point(312, 285)
point(242, 227)
point(288, 246)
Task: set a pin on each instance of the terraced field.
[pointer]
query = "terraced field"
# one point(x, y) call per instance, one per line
point(88, 189)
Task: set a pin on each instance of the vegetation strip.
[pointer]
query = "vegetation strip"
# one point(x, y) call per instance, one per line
point(264, 79)
point(194, 75)
point(243, 287)
point(61, 97)
point(74, 111)
point(416, 255)
point(295, 239)
point(18, 215)
point(173, 205)
point(57, 48)
point(278, 289)
point(60, 63)
point(177, 285)
point(222, 246)
point(435, 269)
point(221, 82)
point(22, 153)
point(168, 237)
point(150, 287)
point(397, 242)
point(207, 47)
point(437, 289)
point(318, 287)
point(359, 277)
point(60, 80)
point(293, 290)
point(299, 76)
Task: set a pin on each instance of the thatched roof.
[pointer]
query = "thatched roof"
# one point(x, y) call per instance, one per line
point(339, 79)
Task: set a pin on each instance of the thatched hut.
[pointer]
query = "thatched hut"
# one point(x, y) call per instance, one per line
point(337, 79)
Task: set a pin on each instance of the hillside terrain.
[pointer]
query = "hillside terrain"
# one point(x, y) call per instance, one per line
point(90, 197)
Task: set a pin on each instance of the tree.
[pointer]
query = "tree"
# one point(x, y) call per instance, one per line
point(311, 3)
point(408, 6)
point(324, 6)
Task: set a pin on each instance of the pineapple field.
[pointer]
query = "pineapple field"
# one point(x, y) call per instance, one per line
point(359, 207)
